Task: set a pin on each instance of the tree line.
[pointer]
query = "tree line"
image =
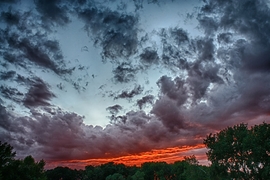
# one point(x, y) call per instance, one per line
point(236, 152)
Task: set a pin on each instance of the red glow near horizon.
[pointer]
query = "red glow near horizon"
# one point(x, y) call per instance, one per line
point(169, 155)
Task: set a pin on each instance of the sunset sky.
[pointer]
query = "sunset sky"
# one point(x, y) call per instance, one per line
point(88, 82)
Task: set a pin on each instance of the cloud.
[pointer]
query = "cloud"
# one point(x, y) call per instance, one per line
point(124, 73)
point(9, 1)
point(38, 94)
point(114, 109)
point(149, 99)
point(174, 89)
point(115, 32)
point(149, 56)
point(52, 12)
point(205, 48)
point(52, 136)
point(7, 75)
point(167, 111)
point(248, 19)
point(20, 42)
point(11, 93)
point(138, 89)
point(10, 18)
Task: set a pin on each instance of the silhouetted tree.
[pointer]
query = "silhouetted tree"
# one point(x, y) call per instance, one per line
point(12, 169)
point(240, 153)
point(63, 173)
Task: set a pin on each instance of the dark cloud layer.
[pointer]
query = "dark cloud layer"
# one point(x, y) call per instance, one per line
point(149, 99)
point(63, 131)
point(128, 95)
point(116, 33)
point(52, 12)
point(212, 81)
point(125, 72)
point(114, 109)
point(23, 47)
point(38, 94)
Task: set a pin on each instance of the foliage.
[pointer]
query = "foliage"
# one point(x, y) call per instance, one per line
point(63, 173)
point(6, 154)
point(240, 153)
point(185, 170)
point(12, 169)
point(115, 176)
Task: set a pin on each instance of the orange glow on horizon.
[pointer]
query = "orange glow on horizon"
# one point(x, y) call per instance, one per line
point(169, 155)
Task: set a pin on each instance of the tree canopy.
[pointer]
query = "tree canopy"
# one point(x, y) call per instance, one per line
point(239, 152)
point(14, 169)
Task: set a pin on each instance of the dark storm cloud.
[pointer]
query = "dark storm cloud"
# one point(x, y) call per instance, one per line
point(52, 11)
point(209, 23)
point(177, 48)
point(205, 48)
point(225, 38)
point(149, 56)
point(38, 94)
point(26, 42)
point(221, 67)
point(125, 72)
point(238, 82)
point(139, 4)
point(248, 19)
point(44, 54)
point(179, 35)
point(11, 93)
point(9, 1)
point(138, 89)
point(149, 99)
point(10, 18)
point(168, 112)
point(52, 136)
point(7, 75)
point(9, 127)
point(114, 109)
point(116, 33)
point(200, 77)
point(174, 89)
point(24, 80)
point(35, 55)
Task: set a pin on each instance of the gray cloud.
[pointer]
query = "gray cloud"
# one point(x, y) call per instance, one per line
point(52, 12)
point(52, 136)
point(124, 73)
point(11, 93)
point(116, 33)
point(7, 75)
point(9, 1)
point(167, 111)
point(20, 42)
point(149, 99)
point(10, 18)
point(138, 89)
point(174, 89)
point(149, 56)
point(248, 19)
point(114, 109)
point(38, 94)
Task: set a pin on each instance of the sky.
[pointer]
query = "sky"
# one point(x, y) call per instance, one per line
point(89, 82)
